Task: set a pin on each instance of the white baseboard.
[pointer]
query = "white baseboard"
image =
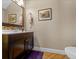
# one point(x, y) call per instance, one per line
point(49, 50)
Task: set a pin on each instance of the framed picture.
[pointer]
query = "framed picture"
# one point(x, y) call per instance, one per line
point(45, 14)
point(12, 18)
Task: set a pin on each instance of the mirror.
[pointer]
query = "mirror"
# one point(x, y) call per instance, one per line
point(12, 13)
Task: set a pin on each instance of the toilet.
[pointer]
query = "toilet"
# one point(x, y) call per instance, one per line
point(71, 52)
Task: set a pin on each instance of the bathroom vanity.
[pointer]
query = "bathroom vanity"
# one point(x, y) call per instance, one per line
point(14, 44)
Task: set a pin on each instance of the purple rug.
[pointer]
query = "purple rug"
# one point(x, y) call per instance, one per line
point(35, 55)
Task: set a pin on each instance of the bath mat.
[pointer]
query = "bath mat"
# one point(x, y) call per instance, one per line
point(35, 55)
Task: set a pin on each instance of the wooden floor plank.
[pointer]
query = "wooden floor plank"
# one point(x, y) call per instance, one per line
point(58, 56)
point(48, 55)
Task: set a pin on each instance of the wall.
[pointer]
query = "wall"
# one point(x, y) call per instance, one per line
point(4, 15)
point(57, 33)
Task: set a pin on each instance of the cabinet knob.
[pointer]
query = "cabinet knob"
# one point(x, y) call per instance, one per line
point(26, 40)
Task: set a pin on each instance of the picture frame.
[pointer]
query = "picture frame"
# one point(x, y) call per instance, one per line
point(12, 18)
point(45, 14)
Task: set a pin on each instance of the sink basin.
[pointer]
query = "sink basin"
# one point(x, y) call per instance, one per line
point(71, 52)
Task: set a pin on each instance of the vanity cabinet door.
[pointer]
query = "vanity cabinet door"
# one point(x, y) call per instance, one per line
point(18, 47)
point(20, 43)
point(5, 46)
point(28, 43)
point(17, 44)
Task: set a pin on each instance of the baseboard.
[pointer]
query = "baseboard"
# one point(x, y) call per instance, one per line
point(45, 49)
point(49, 50)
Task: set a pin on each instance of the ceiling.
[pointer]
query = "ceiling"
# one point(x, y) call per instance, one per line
point(6, 3)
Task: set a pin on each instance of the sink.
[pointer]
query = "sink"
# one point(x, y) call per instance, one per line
point(71, 52)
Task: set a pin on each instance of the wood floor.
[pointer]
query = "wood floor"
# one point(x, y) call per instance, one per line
point(48, 55)
point(42, 55)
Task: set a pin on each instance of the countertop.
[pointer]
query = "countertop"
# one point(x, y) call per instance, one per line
point(12, 32)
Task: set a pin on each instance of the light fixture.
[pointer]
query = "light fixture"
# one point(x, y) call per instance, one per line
point(19, 2)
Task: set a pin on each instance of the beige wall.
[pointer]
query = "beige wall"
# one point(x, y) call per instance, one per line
point(57, 33)
point(4, 15)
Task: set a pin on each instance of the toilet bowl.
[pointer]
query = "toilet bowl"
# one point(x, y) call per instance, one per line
point(71, 52)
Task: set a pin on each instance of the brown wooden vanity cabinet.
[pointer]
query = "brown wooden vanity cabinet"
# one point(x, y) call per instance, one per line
point(15, 44)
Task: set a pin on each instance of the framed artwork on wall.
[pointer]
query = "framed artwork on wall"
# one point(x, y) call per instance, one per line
point(45, 14)
point(12, 18)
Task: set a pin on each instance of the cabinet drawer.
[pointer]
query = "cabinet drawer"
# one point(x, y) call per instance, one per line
point(17, 37)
